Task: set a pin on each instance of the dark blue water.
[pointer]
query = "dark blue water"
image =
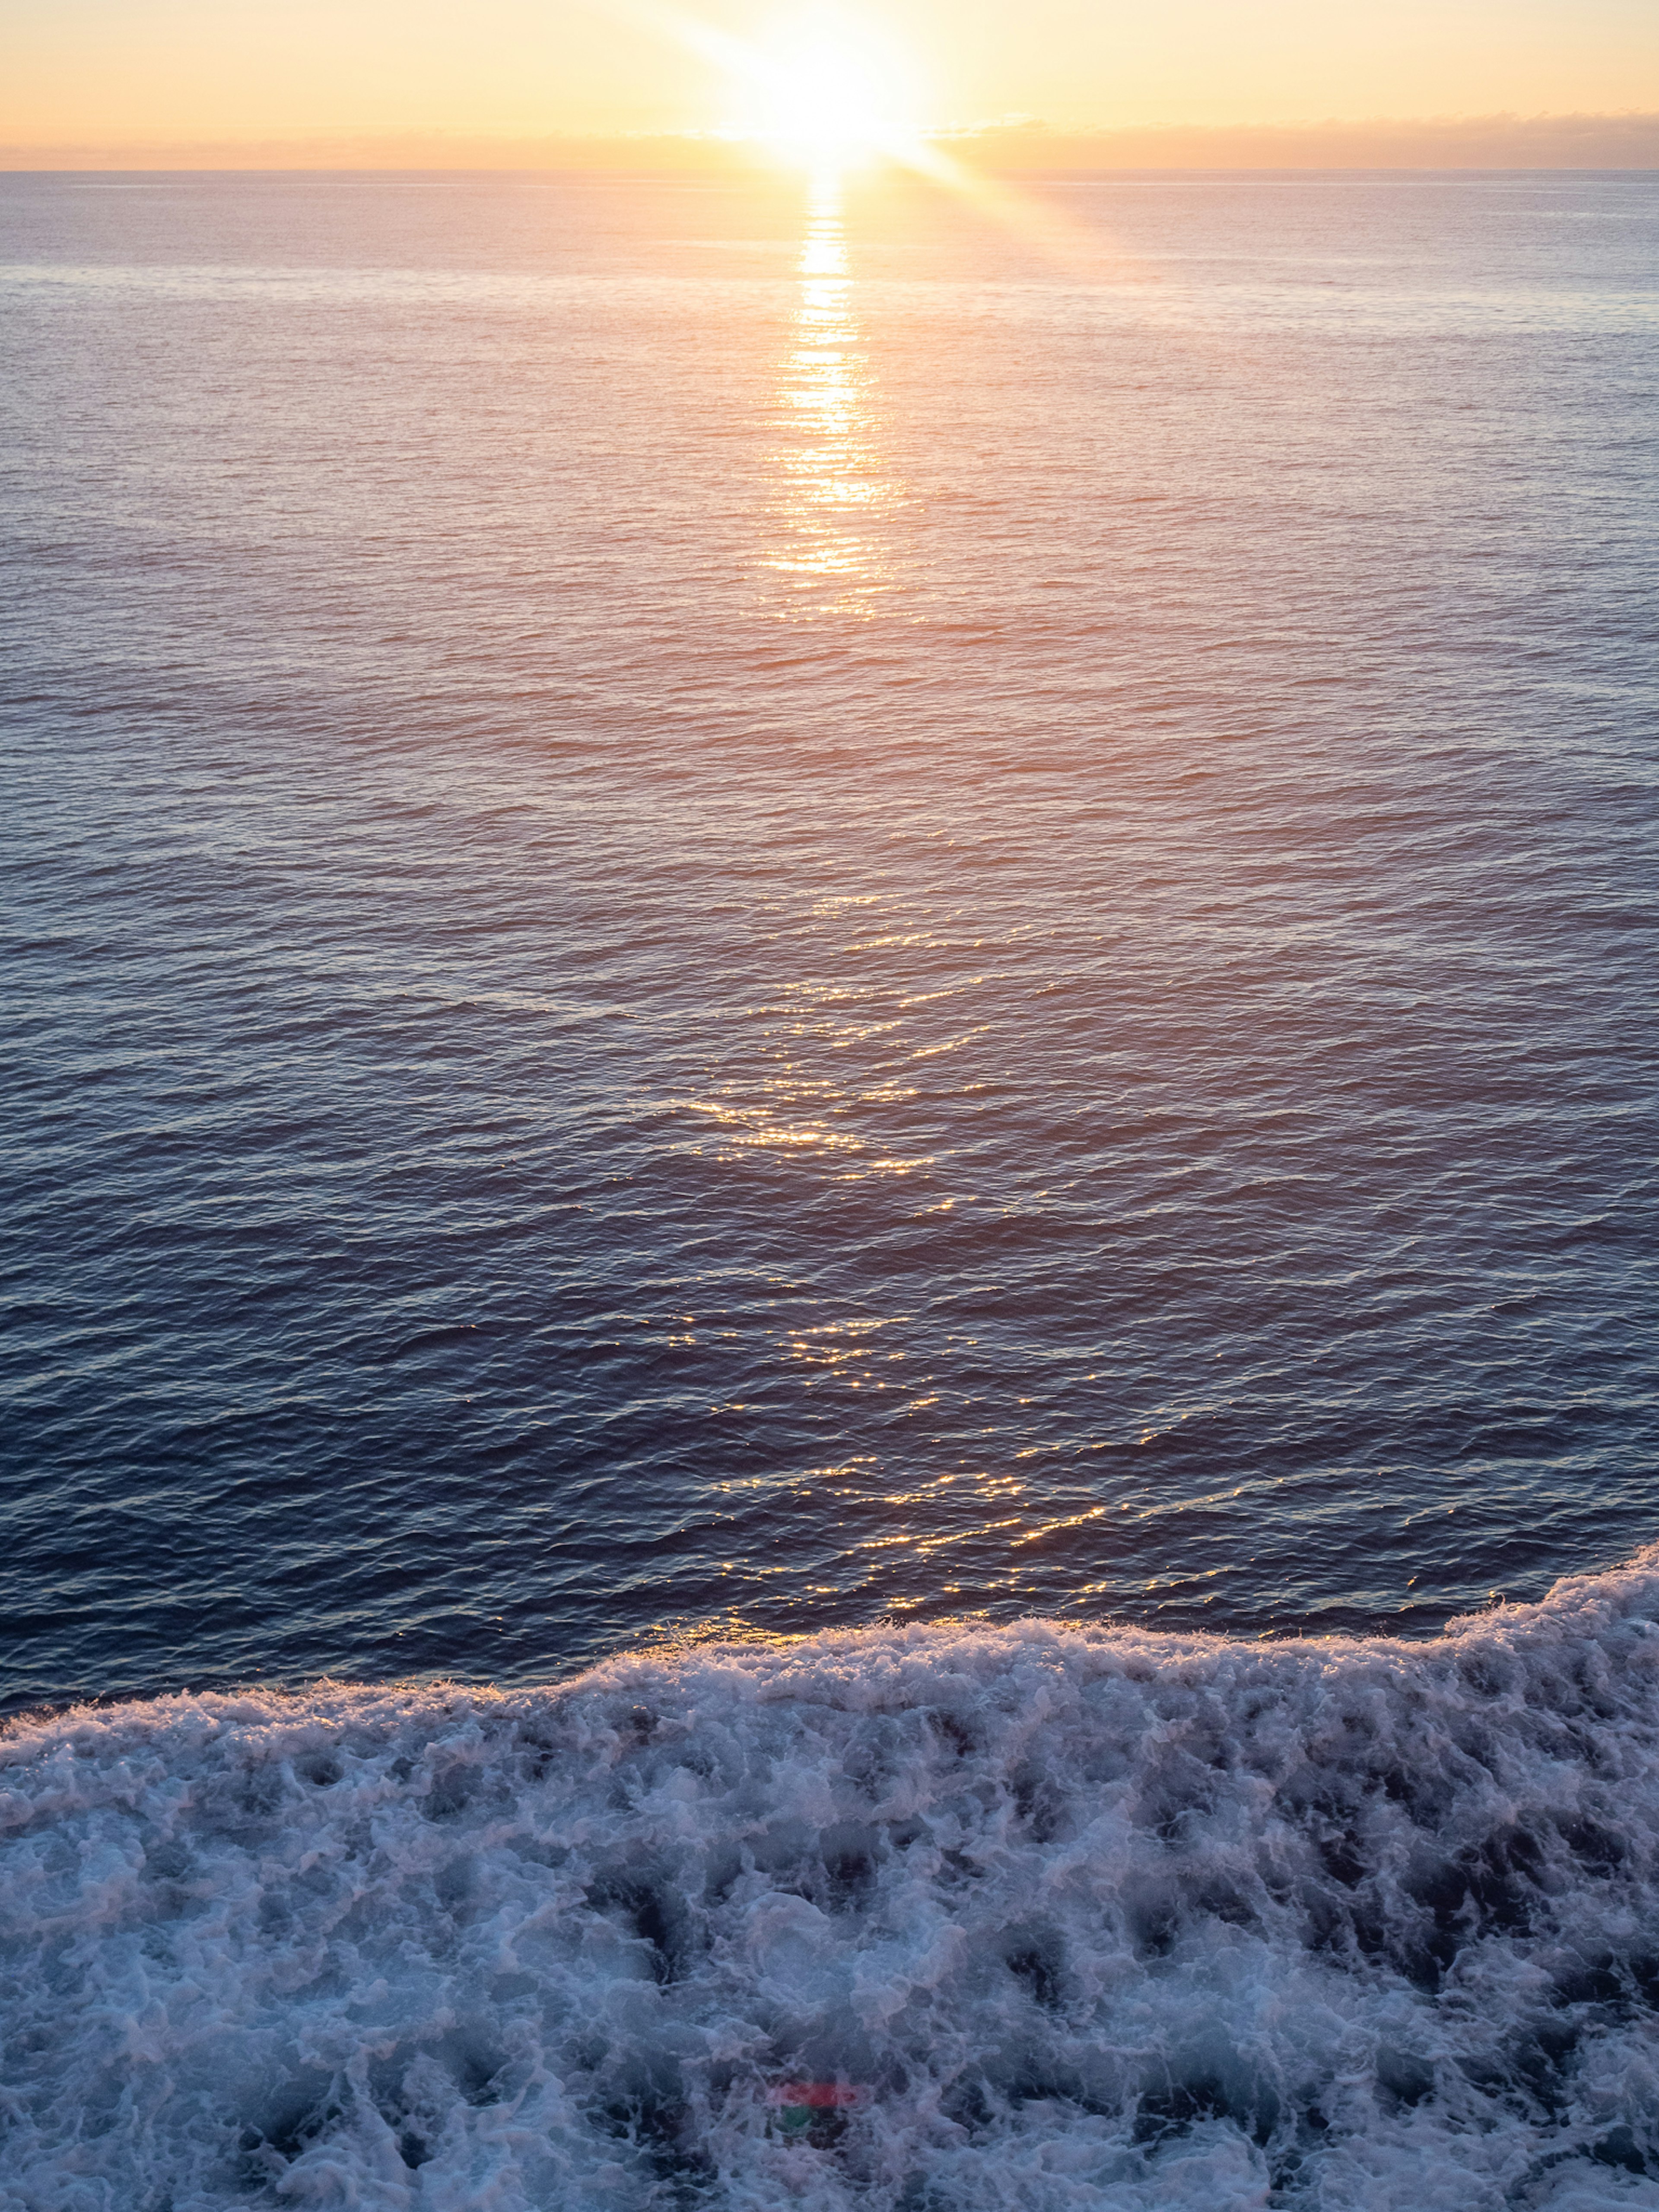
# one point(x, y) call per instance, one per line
point(734, 906)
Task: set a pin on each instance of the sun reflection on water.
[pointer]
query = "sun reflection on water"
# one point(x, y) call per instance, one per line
point(835, 484)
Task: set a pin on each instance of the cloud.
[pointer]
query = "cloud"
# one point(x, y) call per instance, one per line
point(1485, 142)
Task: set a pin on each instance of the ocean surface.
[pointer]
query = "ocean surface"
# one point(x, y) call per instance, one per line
point(918, 919)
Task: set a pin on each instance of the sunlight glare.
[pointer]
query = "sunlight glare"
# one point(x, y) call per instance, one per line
point(829, 95)
point(836, 489)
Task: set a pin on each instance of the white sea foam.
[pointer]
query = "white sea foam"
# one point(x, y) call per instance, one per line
point(1089, 1919)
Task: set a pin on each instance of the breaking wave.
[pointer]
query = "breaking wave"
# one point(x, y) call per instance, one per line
point(920, 1920)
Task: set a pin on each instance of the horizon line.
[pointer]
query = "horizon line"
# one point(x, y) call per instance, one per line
point(1625, 141)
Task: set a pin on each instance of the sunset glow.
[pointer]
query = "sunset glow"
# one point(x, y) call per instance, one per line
point(504, 82)
point(831, 98)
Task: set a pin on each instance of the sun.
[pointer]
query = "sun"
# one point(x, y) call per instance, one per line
point(830, 97)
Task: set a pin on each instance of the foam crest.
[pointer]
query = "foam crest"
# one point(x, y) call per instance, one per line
point(920, 1920)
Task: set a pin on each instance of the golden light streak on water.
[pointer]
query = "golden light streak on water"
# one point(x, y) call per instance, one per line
point(834, 482)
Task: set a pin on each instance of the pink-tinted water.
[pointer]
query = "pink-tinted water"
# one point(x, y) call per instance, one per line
point(736, 905)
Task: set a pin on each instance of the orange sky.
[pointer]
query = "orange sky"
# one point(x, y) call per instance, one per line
point(154, 71)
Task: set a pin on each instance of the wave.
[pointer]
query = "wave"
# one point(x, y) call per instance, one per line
point(926, 1919)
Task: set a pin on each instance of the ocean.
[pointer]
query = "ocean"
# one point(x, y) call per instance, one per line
point(828, 1194)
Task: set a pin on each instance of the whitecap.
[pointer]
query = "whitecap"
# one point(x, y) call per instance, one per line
point(1063, 1916)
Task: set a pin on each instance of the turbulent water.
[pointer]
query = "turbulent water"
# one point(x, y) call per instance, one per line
point(1070, 1919)
point(777, 909)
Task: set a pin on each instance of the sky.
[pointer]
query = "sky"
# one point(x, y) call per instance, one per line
point(142, 71)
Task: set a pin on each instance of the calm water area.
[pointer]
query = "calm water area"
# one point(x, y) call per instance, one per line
point(756, 904)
